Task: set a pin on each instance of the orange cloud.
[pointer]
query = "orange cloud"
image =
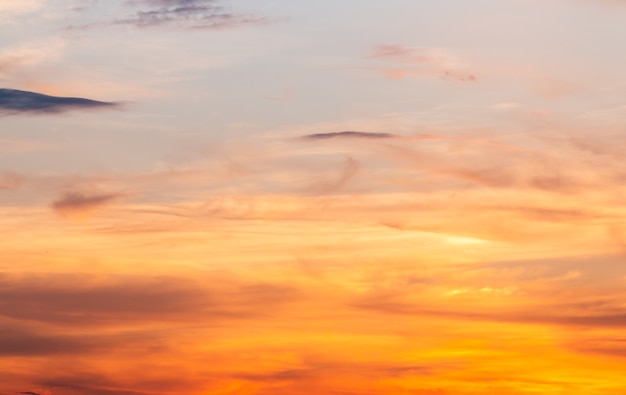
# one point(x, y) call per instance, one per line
point(342, 264)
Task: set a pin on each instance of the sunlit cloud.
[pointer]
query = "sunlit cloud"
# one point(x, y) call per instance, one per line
point(361, 236)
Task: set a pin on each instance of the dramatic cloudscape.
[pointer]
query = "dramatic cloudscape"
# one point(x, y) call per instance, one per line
point(356, 197)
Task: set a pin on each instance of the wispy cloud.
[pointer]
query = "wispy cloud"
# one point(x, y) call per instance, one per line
point(78, 204)
point(414, 55)
point(402, 61)
point(13, 101)
point(188, 14)
point(347, 172)
point(347, 134)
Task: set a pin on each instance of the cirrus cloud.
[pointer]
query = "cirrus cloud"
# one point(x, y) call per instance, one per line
point(188, 14)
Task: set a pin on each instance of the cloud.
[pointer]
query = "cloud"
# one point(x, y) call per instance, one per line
point(188, 14)
point(100, 383)
point(538, 315)
point(400, 53)
point(456, 75)
point(420, 62)
point(347, 172)
point(78, 204)
point(86, 300)
point(285, 375)
point(348, 134)
point(20, 341)
point(14, 101)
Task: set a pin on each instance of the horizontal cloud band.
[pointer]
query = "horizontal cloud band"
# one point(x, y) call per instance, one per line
point(13, 101)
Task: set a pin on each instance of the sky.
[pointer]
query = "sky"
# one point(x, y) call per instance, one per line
point(354, 197)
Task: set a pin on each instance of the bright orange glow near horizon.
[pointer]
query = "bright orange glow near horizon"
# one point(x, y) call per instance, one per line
point(238, 197)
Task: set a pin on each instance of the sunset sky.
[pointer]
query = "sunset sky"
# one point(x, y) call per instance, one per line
point(330, 197)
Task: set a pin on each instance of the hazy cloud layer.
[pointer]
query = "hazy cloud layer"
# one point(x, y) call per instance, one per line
point(14, 102)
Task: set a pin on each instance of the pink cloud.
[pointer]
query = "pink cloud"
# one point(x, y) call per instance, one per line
point(405, 61)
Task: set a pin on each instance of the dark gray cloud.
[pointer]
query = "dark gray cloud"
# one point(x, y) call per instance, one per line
point(76, 203)
point(190, 14)
point(13, 101)
point(348, 134)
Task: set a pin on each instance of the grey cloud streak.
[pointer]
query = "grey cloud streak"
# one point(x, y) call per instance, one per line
point(78, 203)
point(189, 14)
point(13, 102)
point(348, 135)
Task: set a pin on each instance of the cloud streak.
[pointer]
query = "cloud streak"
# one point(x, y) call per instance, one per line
point(348, 135)
point(402, 61)
point(13, 102)
point(20, 341)
point(77, 204)
point(71, 301)
point(187, 14)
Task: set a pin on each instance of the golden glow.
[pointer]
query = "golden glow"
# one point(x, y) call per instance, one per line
point(312, 197)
